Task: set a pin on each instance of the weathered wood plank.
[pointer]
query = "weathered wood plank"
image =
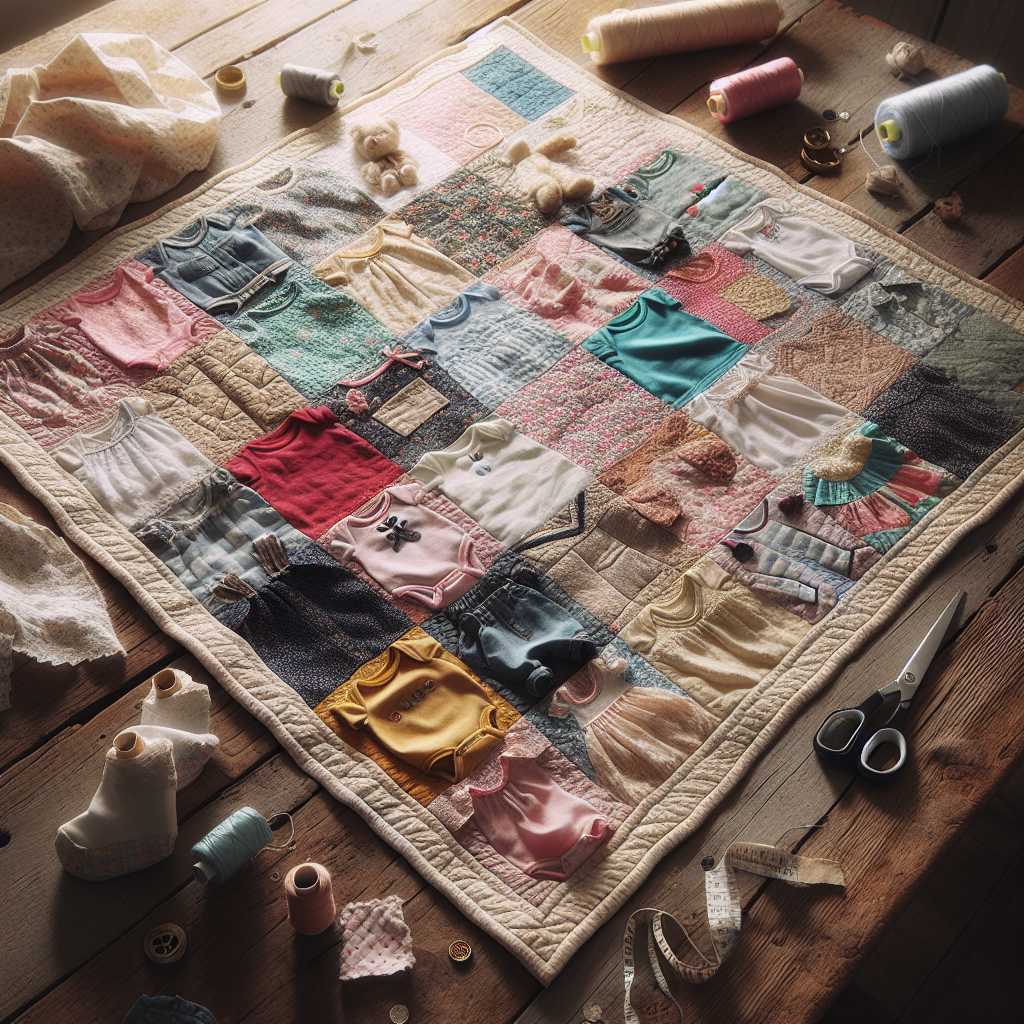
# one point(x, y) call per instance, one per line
point(1009, 275)
point(253, 32)
point(662, 82)
point(406, 32)
point(849, 76)
point(788, 786)
point(170, 22)
point(993, 222)
point(244, 923)
point(951, 899)
point(57, 782)
point(966, 738)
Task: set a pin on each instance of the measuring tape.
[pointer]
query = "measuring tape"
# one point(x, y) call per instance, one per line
point(724, 913)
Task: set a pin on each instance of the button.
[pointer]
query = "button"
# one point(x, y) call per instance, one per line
point(592, 1012)
point(460, 951)
point(165, 943)
point(399, 1014)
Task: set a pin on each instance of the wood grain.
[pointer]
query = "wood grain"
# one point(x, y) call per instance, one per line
point(51, 905)
point(244, 923)
point(993, 222)
point(170, 22)
point(789, 787)
point(1009, 275)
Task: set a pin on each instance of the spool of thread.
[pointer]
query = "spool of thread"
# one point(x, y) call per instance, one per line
point(310, 898)
point(934, 115)
point(755, 89)
point(226, 849)
point(678, 28)
point(311, 84)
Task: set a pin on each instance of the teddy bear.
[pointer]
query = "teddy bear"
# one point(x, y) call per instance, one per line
point(549, 182)
point(387, 167)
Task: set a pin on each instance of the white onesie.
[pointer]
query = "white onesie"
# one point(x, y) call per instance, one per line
point(507, 482)
point(802, 249)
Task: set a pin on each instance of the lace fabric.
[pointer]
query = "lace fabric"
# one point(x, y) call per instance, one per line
point(50, 607)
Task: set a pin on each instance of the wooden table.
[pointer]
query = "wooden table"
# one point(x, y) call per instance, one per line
point(72, 950)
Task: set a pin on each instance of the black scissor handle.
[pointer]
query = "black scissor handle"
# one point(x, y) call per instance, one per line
point(843, 733)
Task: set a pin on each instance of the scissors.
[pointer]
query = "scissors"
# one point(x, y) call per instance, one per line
point(870, 736)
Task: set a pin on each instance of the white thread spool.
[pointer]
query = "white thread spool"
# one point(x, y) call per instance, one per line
point(311, 84)
point(678, 28)
point(934, 115)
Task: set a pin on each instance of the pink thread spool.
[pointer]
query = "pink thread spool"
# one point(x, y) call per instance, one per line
point(755, 89)
point(310, 898)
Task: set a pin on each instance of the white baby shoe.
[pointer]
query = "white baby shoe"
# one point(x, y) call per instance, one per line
point(178, 709)
point(132, 821)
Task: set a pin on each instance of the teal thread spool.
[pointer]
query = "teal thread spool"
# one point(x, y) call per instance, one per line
point(934, 115)
point(227, 848)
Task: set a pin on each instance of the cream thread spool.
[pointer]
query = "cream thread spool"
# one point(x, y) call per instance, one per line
point(678, 28)
point(311, 84)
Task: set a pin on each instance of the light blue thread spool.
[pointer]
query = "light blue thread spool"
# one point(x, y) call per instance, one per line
point(934, 115)
point(227, 848)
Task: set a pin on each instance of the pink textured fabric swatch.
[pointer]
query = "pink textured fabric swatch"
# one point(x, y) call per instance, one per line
point(376, 940)
point(445, 111)
point(737, 323)
point(133, 319)
point(586, 410)
point(568, 281)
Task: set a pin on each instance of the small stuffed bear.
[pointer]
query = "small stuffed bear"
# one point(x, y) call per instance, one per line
point(548, 182)
point(387, 167)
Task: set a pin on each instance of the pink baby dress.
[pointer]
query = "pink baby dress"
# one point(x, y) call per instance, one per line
point(534, 823)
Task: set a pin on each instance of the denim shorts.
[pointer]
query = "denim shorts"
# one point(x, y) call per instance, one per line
point(521, 638)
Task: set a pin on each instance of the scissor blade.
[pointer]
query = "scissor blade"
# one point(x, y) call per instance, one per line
point(919, 661)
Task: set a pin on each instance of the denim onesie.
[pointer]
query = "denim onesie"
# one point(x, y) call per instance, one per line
point(216, 263)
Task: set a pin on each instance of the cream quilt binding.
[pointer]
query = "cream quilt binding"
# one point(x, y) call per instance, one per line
point(544, 937)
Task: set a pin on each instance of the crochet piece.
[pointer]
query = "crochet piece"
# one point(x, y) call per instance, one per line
point(376, 940)
point(417, 433)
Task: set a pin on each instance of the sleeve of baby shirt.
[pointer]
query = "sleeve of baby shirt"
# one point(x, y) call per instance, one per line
point(639, 635)
point(350, 707)
point(428, 471)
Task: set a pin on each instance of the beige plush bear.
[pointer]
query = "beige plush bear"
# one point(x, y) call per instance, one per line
point(547, 181)
point(387, 167)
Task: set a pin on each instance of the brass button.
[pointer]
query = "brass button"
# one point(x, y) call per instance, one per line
point(460, 951)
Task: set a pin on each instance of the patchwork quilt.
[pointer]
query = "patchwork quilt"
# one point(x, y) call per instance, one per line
point(524, 534)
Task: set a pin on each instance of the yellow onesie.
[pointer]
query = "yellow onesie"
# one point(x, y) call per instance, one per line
point(430, 711)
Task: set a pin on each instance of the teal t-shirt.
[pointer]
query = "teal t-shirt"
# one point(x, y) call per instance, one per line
point(669, 352)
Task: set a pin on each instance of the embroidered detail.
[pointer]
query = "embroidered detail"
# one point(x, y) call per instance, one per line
point(398, 532)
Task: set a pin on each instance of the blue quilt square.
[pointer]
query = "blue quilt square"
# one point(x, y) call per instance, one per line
point(517, 84)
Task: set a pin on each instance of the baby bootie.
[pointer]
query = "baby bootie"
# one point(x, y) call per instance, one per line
point(132, 821)
point(178, 709)
point(177, 702)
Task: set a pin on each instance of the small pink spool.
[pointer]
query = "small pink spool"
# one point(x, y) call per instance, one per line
point(310, 898)
point(755, 89)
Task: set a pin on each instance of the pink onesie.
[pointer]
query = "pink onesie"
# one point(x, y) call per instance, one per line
point(409, 549)
point(535, 824)
point(134, 323)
